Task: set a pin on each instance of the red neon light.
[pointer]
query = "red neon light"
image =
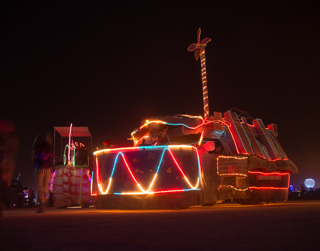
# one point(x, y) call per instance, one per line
point(175, 161)
point(170, 191)
point(134, 178)
point(266, 188)
point(272, 173)
point(98, 175)
point(185, 177)
point(234, 141)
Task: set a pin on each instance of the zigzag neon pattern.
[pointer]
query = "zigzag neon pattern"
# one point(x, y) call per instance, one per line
point(148, 190)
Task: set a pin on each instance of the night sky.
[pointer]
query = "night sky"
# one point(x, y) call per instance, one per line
point(110, 65)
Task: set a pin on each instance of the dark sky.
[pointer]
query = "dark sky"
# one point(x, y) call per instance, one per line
point(110, 65)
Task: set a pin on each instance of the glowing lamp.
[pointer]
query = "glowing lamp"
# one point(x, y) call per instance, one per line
point(309, 183)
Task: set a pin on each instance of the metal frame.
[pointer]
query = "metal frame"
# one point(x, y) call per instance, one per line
point(77, 132)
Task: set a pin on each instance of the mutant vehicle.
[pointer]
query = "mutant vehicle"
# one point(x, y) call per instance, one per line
point(180, 160)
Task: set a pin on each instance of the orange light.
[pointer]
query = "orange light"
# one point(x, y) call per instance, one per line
point(266, 188)
point(201, 138)
point(233, 187)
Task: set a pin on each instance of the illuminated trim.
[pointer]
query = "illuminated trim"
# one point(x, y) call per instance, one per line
point(270, 174)
point(139, 140)
point(234, 174)
point(266, 188)
point(230, 157)
point(233, 187)
point(147, 122)
point(179, 190)
point(73, 157)
point(145, 191)
point(234, 141)
point(185, 177)
point(201, 138)
point(70, 133)
point(134, 148)
point(273, 149)
point(173, 124)
point(204, 82)
point(202, 123)
point(237, 127)
point(91, 185)
point(263, 173)
point(99, 180)
point(160, 192)
point(252, 172)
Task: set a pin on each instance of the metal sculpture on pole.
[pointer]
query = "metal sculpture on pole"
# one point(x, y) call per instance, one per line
point(199, 50)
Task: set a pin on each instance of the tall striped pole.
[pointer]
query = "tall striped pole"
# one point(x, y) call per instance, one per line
point(204, 82)
point(199, 50)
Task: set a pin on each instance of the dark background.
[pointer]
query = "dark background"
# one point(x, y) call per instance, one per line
point(108, 65)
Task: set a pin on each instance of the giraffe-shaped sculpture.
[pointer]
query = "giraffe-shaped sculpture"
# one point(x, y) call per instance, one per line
point(198, 49)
